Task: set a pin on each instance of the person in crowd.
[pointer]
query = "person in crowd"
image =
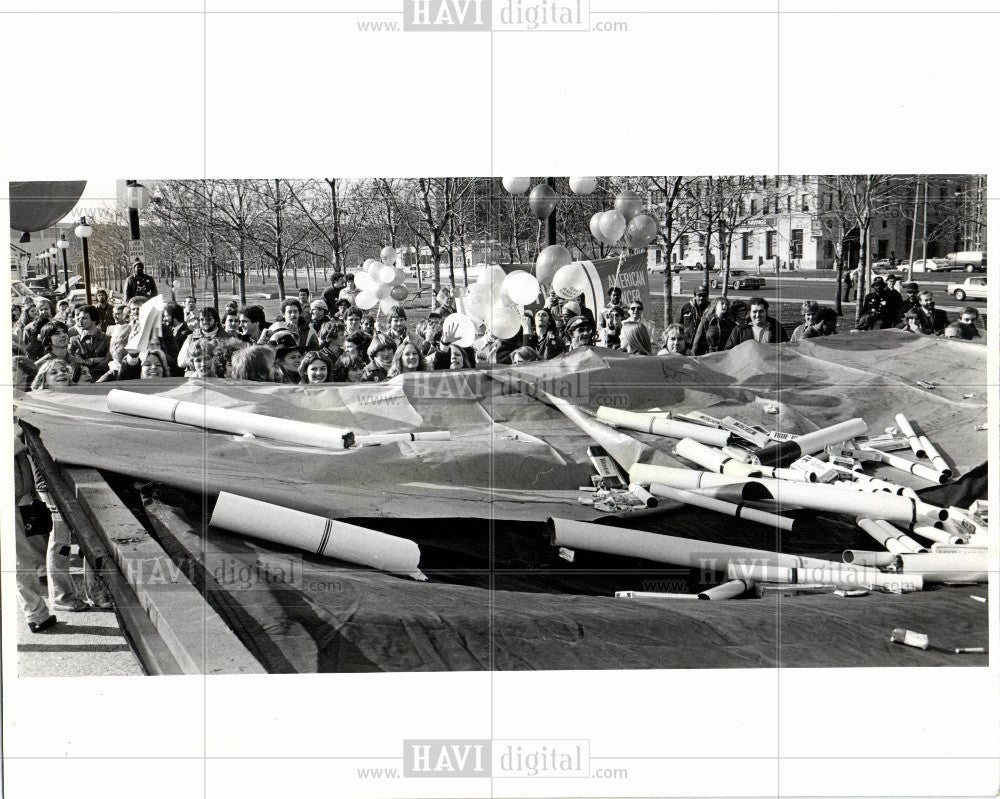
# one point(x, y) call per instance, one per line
point(304, 296)
point(614, 302)
point(29, 314)
point(201, 355)
point(225, 348)
point(635, 339)
point(231, 324)
point(368, 325)
point(255, 363)
point(341, 308)
point(348, 367)
point(877, 310)
point(461, 357)
point(762, 328)
point(24, 372)
point(910, 300)
point(406, 359)
point(805, 330)
point(524, 355)
point(15, 312)
point(208, 329)
point(567, 312)
point(894, 300)
point(31, 343)
point(251, 323)
point(431, 334)
point(353, 331)
point(318, 316)
point(173, 333)
point(332, 293)
point(579, 332)
point(381, 352)
point(444, 302)
point(397, 325)
point(54, 338)
point(139, 284)
point(331, 339)
point(674, 341)
point(53, 373)
point(823, 322)
point(545, 340)
point(349, 291)
point(968, 323)
point(81, 375)
point(288, 355)
point(691, 313)
point(154, 364)
point(714, 329)
point(931, 320)
point(635, 310)
point(105, 312)
point(91, 347)
point(63, 313)
point(612, 318)
point(315, 367)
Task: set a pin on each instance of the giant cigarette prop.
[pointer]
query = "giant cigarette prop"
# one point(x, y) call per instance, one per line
point(392, 438)
point(941, 567)
point(686, 479)
point(208, 417)
point(784, 453)
point(317, 535)
point(937, 461)
point(914, 440)
point(938, 536)
point(826, 573)
point(896, 541)
point(919, 469)
point(739, 510)
point(706, 554)
point(713, 460)
point(624, 449)
point(657, 425)
point(857, 557)
point(728, 590)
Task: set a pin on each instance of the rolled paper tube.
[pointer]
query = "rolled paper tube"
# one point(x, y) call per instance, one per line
point(208, 417)
point(391, 438)
point(687, 479)
point(651, 595)
point(660, 426)
point(317, 535)
point(911, 544)
point(784, 453)
point(740, 511)
point(942, 567)
point(728, 590)
point(888, 536)
point(859, 557)
point(936, 535)
point(937, 461)
point(708, 555)
point(623, 449)
point(919, 469)
point(733, 492)
point(907, 430)
point(780, 473)
point(840, 575)
point(833, 499)
point(909, 638)
point(641, 493)
point(713, 460)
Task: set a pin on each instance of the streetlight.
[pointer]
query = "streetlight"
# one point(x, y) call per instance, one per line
point(53, 252)
point(83, 231)
point(63, 245)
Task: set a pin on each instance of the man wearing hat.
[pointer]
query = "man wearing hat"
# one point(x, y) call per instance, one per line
point(692, 312)
point(911, 291)
point(875, 307)
point(139, 284)
point(319, 315)
point(288, 355)
point(894, 300)
point(579, 332)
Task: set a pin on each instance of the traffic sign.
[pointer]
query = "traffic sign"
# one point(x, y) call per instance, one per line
point(136, 251)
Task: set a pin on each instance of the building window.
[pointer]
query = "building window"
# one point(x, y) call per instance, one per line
point(805, 202)
point(743, 207)
point(753, 207)
point(745, 246)
point(885, 224)
point(796, 249)
point(828, 249)
point(772, 239)
point(788, 201)
point(701, 239)
point(685, 240)
point(763, 181)
point(883, 249)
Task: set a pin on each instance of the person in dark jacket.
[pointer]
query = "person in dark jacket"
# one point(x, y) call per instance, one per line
point(692, 312)
point(545, 340)
point(139, 284)
point(762, 328)
point(714, 330)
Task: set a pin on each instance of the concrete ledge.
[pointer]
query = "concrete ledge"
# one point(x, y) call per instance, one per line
point(196, 635)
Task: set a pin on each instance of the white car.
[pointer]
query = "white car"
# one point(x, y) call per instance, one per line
point(973, 288)
point(930, 265)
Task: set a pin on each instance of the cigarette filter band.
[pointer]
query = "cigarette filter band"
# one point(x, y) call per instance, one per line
point(859, 557)
point(783, 453)
point(907, 430)
point(641, 493)
point(317, 535)
point(738, 510)
point(660, 426)
point(941, 567)
point(713, 460)
point(937, 461)
point(687, 479)
point(693, 553)
point(936, 535)
point(208, 417)
point(391, 438)
point(728, 590)
point(919, 469)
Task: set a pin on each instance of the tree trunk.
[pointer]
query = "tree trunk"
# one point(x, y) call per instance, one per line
point(668, 270)
point(241, 265)
point(215, 279)
point(838, 304)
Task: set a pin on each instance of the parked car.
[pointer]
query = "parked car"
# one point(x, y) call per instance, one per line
point(739, 280)
point(930, 265)
point(973, 288)
point(882, 266)
point(969, 260)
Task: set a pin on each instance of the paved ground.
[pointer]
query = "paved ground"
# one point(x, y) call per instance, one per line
point(86, 644)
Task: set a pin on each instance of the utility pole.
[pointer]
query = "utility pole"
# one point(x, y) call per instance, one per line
point(550, 222)
point(913, 228)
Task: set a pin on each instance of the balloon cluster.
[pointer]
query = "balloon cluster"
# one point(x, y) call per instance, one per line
point(626, 219)
point(497, 299)
point(380, 283)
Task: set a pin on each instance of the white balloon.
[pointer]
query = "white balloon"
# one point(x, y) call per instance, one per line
point(504, 321)
point(382, 290)
point(516, 185)
point(477, 307)
point(388, 255)
point(612, 225)
point(369, 262)
point(492, 277)
point(373, 268)
point(364, 281)
point(387, 304)
point(462, 326)
point(582, 185)
point(366, 300)
point(387, 274)
point(570, 281)
point(522, 287)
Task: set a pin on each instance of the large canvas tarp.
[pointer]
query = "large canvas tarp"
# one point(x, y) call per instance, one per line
point(499, 596)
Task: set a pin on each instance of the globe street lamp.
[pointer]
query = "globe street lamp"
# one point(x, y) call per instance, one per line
point(53, 252)
point(83, 231)
point(63, 245)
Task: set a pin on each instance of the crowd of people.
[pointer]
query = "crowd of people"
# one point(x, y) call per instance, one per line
point(330, 340)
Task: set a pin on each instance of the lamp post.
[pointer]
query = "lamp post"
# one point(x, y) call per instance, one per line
point(137, 197)
point(53, 252)
point(83, 231)
point(63, 245)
